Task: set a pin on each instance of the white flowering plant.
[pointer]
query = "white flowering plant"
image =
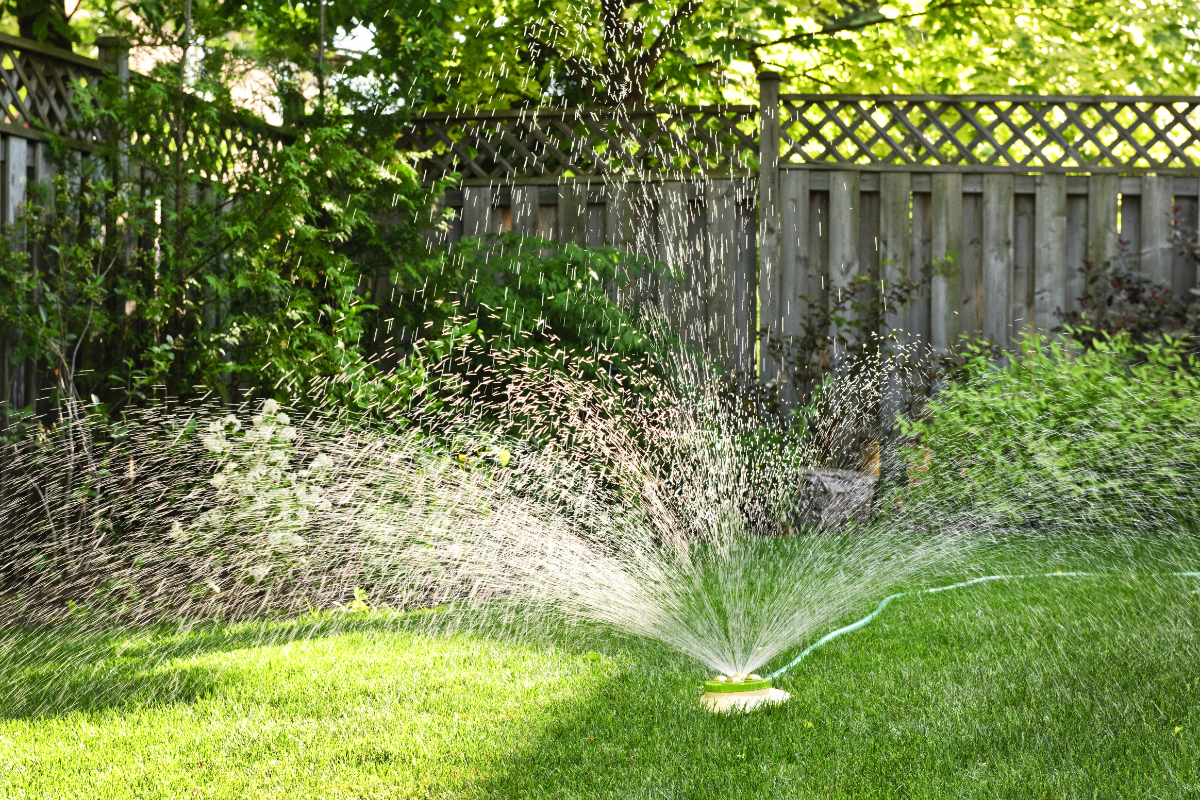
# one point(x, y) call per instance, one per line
point(261, 500)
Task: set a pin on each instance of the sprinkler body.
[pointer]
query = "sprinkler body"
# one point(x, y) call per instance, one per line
point(740, 694)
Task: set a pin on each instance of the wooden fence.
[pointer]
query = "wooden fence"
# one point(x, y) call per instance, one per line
point(761, 208)
point(39, 88)
point(38, 84)
point(765, 209)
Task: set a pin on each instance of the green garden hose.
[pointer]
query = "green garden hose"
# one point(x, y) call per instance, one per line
point(883, 604)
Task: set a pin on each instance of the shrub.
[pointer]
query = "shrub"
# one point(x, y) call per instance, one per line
point(1063, 438)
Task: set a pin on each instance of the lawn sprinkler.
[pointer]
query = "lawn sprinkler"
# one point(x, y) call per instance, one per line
point(742, 692)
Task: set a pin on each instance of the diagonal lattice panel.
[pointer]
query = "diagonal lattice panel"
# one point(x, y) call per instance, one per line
point(1017, 131)
point(503, 145)
point(37, 92)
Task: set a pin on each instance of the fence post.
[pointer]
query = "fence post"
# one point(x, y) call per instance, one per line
point(768, 219)
point(1158, 210)
point(114, 50)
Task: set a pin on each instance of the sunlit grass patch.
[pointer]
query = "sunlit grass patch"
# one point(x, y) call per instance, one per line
point(1056, 687)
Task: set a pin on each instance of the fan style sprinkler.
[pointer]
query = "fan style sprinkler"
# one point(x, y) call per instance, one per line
point(741, 692)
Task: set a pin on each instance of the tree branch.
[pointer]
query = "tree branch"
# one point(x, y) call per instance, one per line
point(647, 60)
point(584, 72)
point(854, 22)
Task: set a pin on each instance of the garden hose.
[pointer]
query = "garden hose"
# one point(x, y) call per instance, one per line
point(883, 604)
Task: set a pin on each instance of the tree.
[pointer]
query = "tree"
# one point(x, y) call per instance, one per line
point(533, 52)
point(43, 20)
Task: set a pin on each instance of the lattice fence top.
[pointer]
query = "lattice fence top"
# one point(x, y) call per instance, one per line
point(1012, 132)
point(581, 142)
point(38, 84)
point(223, 148)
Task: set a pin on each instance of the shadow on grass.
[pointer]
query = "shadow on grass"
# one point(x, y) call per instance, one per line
point(62, 669)
point(644, 733)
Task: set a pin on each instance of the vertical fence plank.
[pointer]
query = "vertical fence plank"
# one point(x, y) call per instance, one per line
point(595, 225)
point(8, 336)
point(548, 222)
point(997, 256)
point(525, 209)
point(843, 241)
point(1129, 229)
point(868, 239)
point(818, 247)
point(618, 234)
point(1049, 250)
point(922, 262)
point(672, 250)
point(895, 254)
point(1077, 248)
point(616, 231)
point(769, 252)
point(638, 225)
point(699, 276)
point(14, 175)
point(1183, 266)
point(1022, 281)
point(572, 213)
point(1102, 220)
point(1158, 206)
point(794, 264)
point(972, 265)
point(945, 297)
point(476, 210)
point(721, 222)
point(745, 283)
point(895, 241)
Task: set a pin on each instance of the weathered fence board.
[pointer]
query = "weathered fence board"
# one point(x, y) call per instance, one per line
point(1157, 209)
point(945, 295)
point(1049, 250)
point(917, 334)
point(844, 203)
point(1021, 313)
point(998, 199)
point(971, 259)
point(795, 258)
point(895, 237)
point(1102, 236)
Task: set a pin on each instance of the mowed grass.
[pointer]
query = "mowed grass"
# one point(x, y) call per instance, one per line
point(1056, 687)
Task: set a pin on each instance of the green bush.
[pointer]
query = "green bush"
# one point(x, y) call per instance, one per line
point(1060, 438)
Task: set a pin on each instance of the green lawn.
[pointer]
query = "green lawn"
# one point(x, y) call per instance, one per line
point(1045, 688)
